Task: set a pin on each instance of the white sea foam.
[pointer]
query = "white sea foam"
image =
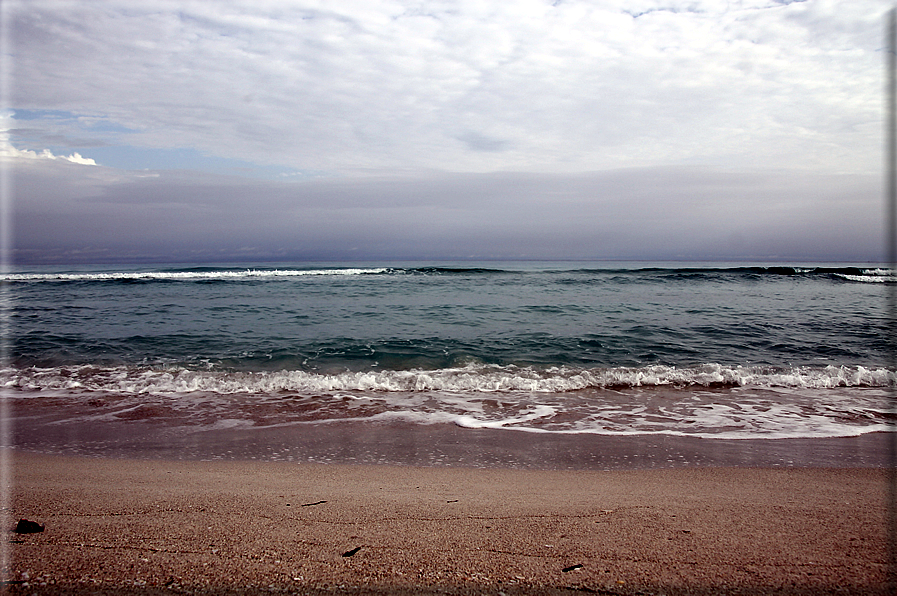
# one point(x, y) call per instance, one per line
point(875, 279)
point(795, 403)
point(537, 412)
point(475, 378)
point(871, 276)
point(185, 275)
point(767, 420)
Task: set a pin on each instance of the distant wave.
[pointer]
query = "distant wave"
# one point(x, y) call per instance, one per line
point(869, 276)
point(194, 274)
point(859, 274)
point(850, 274)
point(451, 270)
point(211, 273)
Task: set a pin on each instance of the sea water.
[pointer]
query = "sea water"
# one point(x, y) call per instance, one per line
point(724, 351)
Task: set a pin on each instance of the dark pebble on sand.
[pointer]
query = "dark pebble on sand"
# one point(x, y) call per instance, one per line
point(28, 527)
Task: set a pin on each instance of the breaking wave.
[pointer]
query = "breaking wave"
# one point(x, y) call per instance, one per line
point(854, 274)
point(187, 275)
point(471, 378)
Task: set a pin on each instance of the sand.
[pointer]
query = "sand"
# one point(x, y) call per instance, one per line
point(127, 526)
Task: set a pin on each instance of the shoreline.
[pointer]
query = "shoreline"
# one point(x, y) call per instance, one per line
point(148, 526)
point(441, 445)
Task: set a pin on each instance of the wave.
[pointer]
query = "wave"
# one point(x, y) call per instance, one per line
point(474, 378)
point(847, 273)
point(450, 270)
point(869, 276)
point(858, 274)
point(757, 403)
point(187, 275)
point(212, 273)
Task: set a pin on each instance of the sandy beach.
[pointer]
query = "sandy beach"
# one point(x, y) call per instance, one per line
point(123, 526)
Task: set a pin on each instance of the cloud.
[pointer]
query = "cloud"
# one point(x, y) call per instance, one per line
point(523, 86)
point(478, 142)
point(427, 129)
point(8, 151)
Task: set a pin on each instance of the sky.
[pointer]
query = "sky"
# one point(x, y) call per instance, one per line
point(268, 130)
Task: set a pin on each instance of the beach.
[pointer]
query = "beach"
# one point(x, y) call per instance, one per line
point(129, 526)
point(510, 428)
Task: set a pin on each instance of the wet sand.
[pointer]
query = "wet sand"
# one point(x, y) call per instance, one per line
point(132, 526)
point(405, 444)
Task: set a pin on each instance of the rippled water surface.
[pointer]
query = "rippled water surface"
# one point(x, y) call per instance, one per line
point(730, 351)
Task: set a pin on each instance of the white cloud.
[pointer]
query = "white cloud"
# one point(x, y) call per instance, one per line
point(76, 158)
point(7, 150)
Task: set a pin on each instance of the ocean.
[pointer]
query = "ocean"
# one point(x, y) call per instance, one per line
point(351, 361)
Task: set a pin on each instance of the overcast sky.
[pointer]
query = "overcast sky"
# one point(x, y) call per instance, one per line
point(431, 129)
